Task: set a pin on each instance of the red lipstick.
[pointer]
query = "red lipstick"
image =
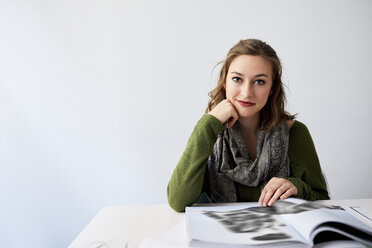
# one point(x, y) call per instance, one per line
point(245, 103)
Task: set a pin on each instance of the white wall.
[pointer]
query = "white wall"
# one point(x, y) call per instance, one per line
point(98, 98)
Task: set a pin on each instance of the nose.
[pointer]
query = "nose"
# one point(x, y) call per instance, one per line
point(247, 90)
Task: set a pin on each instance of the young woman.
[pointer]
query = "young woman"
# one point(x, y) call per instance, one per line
point(247, 147)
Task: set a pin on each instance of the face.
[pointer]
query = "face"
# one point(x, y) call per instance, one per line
point(248, 84)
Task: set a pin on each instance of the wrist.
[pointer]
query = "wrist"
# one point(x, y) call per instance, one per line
point(217, 116)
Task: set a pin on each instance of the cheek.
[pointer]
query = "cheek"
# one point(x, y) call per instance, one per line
point(264, 96)
point(229, 90)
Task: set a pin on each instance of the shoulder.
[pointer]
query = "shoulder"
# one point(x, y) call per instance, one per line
point(297, 126)
point(299, 132)
point(301, 145)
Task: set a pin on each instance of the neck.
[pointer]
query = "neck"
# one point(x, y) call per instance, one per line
point(249, 124)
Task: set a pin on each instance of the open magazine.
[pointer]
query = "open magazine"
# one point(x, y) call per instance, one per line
point(291, 222)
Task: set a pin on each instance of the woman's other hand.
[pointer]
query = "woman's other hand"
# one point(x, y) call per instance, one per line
point(277, 188)
point(225, 112)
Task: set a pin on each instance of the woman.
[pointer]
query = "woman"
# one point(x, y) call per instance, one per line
point(247, 147)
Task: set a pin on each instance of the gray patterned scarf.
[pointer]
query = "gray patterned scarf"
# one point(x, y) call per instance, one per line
point(230, 162)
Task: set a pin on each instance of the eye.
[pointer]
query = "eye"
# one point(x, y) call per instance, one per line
point(237, 79)
point(259, 82)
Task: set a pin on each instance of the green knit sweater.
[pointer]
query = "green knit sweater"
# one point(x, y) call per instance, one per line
point(186, 184)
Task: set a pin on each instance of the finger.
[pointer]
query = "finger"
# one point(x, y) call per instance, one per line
point(288, 193)
point(232, 121)
point(264, 192)
point(278, 193)
point(262, 196)
point(221, 111)
point(269, 193)
point(234, 115)
point(272, 187)
point(292, 191)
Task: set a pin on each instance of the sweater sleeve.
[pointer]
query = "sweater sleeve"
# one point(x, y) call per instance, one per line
point(306, 173)
point(186, 183)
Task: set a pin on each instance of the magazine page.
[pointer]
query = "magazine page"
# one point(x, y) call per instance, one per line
point(323, 234)
point(249, 224)
point(307, 216)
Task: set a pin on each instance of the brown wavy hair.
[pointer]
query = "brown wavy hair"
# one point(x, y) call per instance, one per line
point(273, 114)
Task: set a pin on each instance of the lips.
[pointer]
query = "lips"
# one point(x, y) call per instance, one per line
point(245, 103)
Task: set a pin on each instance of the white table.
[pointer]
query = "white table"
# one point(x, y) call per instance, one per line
point(136, 222)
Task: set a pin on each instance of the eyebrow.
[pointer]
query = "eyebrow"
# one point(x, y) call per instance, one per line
point(258, 75)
